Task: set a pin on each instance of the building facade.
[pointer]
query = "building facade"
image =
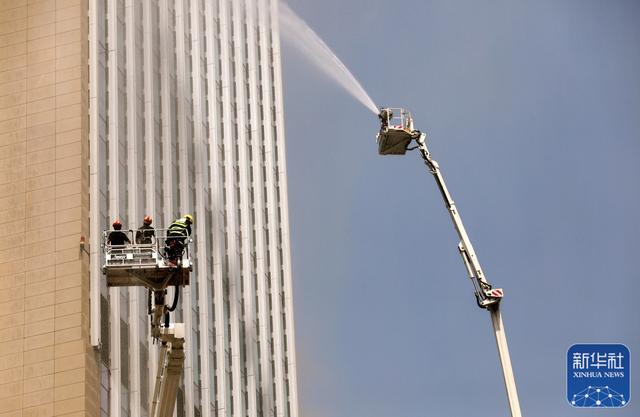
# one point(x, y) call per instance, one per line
point(118, 109)
point(47, 364)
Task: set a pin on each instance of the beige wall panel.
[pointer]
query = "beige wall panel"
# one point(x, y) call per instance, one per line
point(45, 358)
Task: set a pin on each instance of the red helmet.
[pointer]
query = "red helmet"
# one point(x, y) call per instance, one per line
point(147, 220)
point(117, 225)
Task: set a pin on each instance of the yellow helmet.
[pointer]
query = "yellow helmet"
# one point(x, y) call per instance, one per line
point(188, 218)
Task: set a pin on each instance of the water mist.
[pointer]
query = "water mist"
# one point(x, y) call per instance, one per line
point(296, 32)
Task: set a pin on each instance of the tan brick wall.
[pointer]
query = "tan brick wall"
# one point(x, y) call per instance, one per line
point(47, 366)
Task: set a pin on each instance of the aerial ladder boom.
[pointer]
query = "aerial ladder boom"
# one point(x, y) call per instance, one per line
point(486, 296)
point(149, 266)
point(395, 135)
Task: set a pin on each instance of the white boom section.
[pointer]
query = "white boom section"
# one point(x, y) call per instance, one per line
point(170, 366)
point(465, 247)
point(486, 296)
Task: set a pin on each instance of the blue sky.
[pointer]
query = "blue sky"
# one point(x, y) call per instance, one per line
point(533, 112)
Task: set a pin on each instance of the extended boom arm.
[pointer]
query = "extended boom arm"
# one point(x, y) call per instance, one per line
point(148, 264)
point(486, 296)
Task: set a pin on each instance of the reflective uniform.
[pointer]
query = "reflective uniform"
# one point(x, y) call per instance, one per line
point(179, 228)
point(177, 233)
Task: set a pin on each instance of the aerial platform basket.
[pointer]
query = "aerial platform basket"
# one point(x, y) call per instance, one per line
point(144, 265)
point(396, 131)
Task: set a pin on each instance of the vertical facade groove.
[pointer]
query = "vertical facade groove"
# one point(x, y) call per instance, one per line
point(202, 188)
point(135, 195)
point(285, 242)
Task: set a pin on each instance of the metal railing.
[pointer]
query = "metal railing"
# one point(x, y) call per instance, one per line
point(400, 119)
point(142, 255)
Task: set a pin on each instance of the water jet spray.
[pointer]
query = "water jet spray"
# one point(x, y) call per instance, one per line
point(295, 31)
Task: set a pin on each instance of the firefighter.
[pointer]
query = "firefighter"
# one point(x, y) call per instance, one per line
point(385, 116)
point(146, 232)
point(177, 234)
point(117, 237)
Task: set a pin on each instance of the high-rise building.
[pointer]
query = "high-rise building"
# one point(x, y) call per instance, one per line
point(125, 108)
